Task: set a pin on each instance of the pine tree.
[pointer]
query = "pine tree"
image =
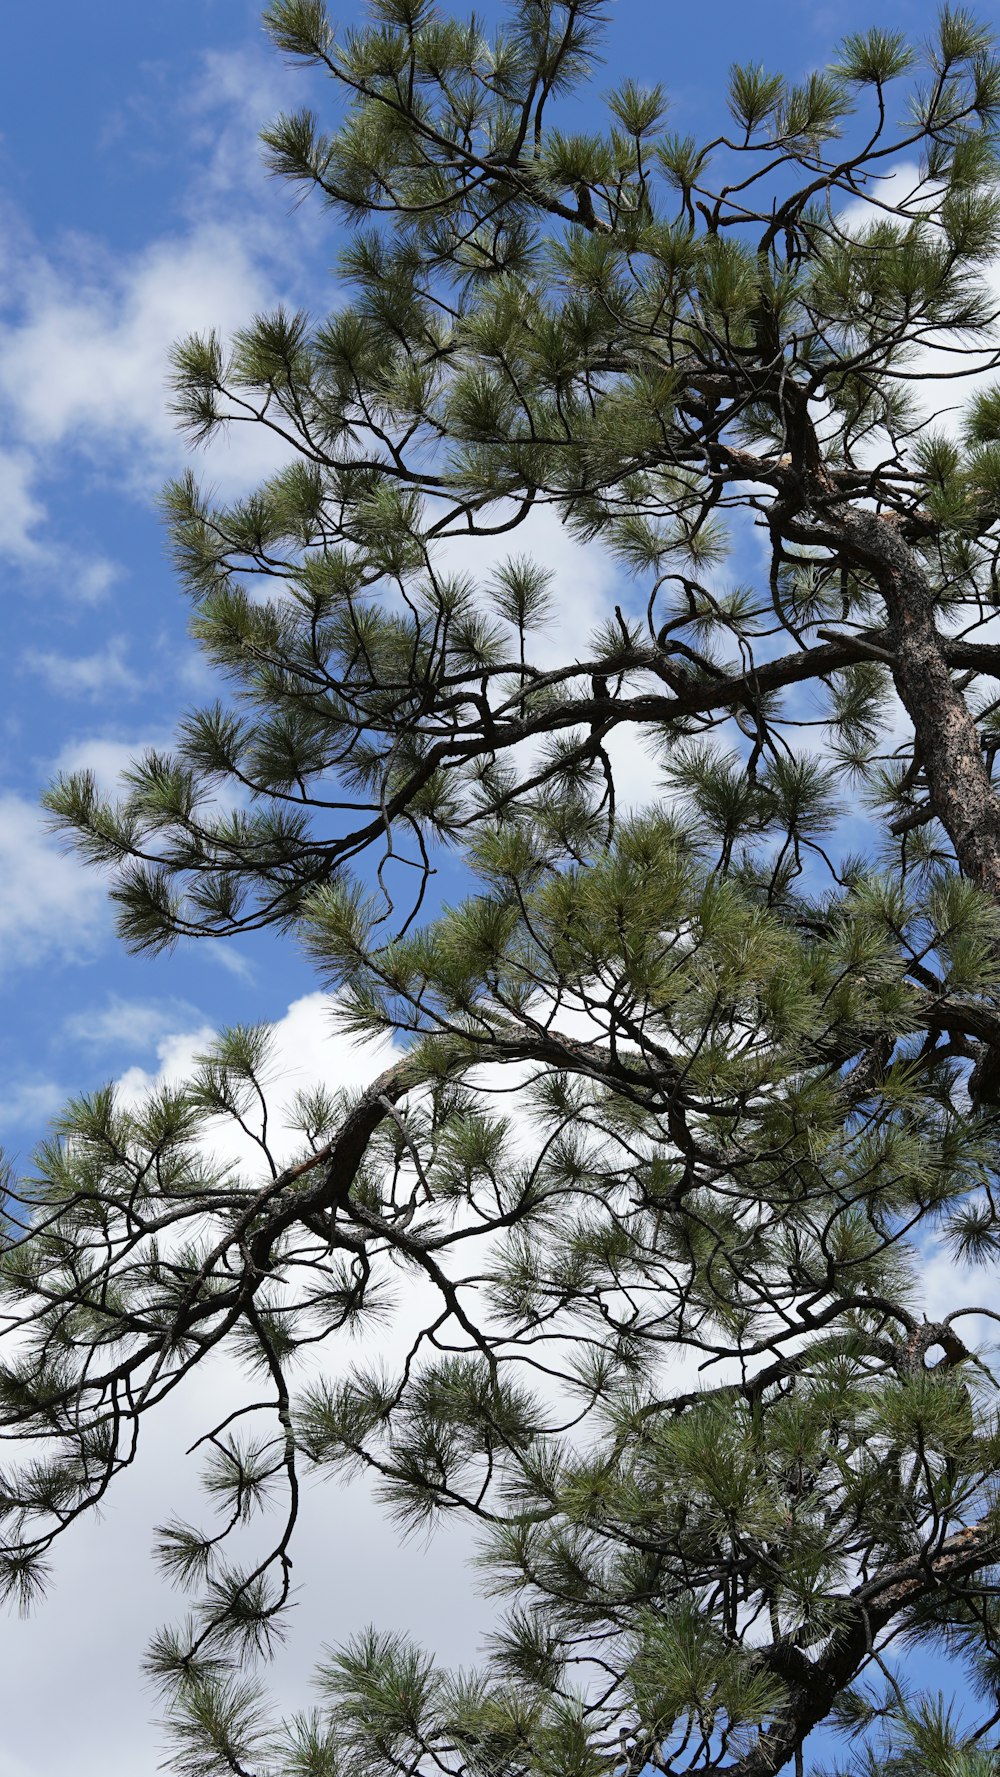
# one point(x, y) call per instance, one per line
point(677, 1367)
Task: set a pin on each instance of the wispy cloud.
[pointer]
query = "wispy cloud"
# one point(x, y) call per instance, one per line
point(84, 362)
point(226, 957)
point(107, 756)
point(30, 1102)
point(51, 906)
point(85, 331)
point(103, 674)
point(306, 1050)
point(21, 511)
point(130, 1024)
point(26, 539)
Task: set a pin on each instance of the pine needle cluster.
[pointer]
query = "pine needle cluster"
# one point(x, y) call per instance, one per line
point(684, 1094)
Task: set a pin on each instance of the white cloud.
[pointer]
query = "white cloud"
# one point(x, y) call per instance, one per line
point(948, 1283)
point(21, 512)
point(224, 954)
point(942, 395)
point(84, 362)
point(129, 1024)
point(82, 366)
point(107, 756)
point(306, 1050)
point(238, 92)
point(176, 1053)
point(353, 1567)
point(586, 585)
point(84, 336)
point(28, 1101)
point(636, 767)
point(25, 534)
point(51, 906)
point(586, 581)
point(103, 674)
point(891, 189)
point(93, 580)
point(26, 539)
point(85, 333)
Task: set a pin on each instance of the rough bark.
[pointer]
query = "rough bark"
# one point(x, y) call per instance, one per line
point(958, 779)
point(814, 1685)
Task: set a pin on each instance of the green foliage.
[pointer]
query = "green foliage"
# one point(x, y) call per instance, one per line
point(875, 56)
point(670, 1082)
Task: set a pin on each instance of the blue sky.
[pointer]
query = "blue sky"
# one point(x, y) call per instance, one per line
point(133, 208)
